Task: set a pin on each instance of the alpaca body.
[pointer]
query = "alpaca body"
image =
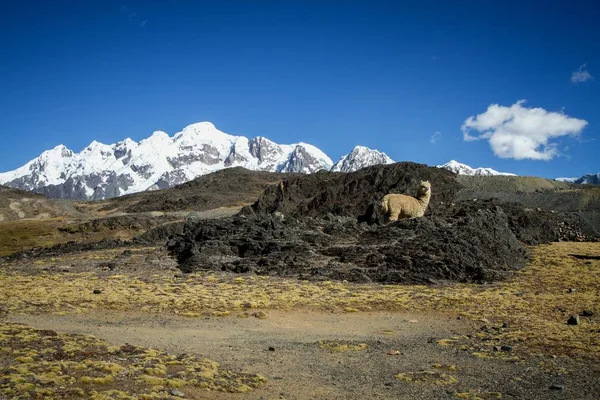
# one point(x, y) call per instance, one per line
point(400, 206)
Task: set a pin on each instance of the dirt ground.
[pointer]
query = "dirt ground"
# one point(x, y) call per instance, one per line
point(309, 340)
point(290, 349)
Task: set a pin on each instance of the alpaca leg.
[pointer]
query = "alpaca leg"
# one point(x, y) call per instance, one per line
point(394, 214)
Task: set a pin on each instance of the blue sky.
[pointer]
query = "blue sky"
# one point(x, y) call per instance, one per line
point(384, 74)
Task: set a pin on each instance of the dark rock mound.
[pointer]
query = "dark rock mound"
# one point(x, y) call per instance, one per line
point(160, 234)
point(463, 247)
point(466, 246)
point(536, 226)
point(327, 226)
point(65, 248)
point(353, 194)
point(121, 222)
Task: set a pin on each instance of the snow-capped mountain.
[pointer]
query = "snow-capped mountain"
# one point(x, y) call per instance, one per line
point(589, 179)
point(463, 169)
point(568, 180)
point(360, 157)
point(102, 171)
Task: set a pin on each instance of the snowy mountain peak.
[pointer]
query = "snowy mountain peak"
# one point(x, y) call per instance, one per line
point(565, 179)
point(360, 157)
point(201, 129)
point(101, 171)
point(464, 169)
point(202, 126)
point(589, 179)
point(59, 151)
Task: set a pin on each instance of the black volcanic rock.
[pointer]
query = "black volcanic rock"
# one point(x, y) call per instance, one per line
point(353, 194)
point(463, 247)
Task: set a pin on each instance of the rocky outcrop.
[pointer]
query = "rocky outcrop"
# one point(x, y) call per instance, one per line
point(353, 194)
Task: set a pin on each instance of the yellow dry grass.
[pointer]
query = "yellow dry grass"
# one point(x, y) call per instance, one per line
point(28, 233)
point(429, 377)
point(535, 303)
point(46, 364)
point(22, 234)
point(336, 346)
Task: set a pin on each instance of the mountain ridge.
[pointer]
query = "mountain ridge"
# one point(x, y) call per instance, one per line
point(464, 169)
point(102, 171)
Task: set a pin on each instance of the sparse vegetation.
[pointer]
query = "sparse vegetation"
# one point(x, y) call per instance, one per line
point(533, 306)
point(46, 364)
point(338, 346)
point(22, 234)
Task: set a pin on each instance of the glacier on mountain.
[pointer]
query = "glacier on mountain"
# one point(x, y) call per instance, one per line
point(101, 171)
point(464, 169)
point(589, 179)
point(360, 157)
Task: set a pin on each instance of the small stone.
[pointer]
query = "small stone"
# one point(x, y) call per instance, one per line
point(556, 387)
point(497, 348)
point(260, 315)
point(571, 290)
point(97, 291)
point(506, 348)
point(176, 393)
point(393, 353)
point(271, 348)
point(389, 384)
point(505, 325)
point(459, 317)
point(587, 313)
point(573, 320)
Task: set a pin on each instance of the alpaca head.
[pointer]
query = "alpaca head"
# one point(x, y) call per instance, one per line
point(424, 189)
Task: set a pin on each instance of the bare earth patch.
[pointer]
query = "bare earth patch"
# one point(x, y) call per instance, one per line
point(324, 340)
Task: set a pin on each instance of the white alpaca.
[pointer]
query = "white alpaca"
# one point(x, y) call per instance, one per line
point(400, 206)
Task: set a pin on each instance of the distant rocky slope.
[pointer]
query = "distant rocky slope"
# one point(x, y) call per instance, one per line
point(103, 171)
point(230, 187)
point(16, 204)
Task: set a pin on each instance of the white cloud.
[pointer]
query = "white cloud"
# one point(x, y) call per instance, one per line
point(521, 133)
point(435, 137)
point(581, 75)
